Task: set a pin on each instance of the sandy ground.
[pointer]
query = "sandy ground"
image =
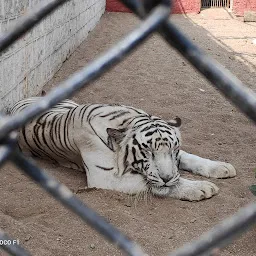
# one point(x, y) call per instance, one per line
point(156, 79)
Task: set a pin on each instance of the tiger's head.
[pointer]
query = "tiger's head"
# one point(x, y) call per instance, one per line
point(150, 149)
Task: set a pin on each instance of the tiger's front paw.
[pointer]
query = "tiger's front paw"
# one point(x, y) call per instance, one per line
point(191, 190)
point(220, 170)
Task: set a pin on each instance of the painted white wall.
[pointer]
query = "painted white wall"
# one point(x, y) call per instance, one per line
point(33, 60)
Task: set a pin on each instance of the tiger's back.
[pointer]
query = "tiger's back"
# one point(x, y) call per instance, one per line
point(59, 134)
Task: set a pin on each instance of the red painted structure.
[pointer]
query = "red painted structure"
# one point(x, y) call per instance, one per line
point(188, 6)
point(240, 6)
point(180, 6)
point(115, 6)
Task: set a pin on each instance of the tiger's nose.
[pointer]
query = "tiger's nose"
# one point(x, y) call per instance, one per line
point(166, 179)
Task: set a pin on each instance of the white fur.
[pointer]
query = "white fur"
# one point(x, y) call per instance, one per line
point(96, 140)
point(205, 167)
point(184, 189)
point(192, 190)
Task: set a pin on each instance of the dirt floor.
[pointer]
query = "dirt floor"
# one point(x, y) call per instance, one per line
point(156, 79)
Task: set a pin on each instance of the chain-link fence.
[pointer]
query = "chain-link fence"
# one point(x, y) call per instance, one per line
point(154, 15)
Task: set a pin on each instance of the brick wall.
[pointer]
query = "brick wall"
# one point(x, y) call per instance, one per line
point(240, 6)
point(115, 6)
point(189, 6)
point(179, 6)
point(186, 6)
point(33, 60)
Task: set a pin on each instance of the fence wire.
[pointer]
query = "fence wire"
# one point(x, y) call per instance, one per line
point(154, 15)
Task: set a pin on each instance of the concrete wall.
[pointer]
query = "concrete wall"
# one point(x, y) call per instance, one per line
point(33, 60)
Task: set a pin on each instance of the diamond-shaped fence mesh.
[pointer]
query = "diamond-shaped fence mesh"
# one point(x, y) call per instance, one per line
point(154, 15)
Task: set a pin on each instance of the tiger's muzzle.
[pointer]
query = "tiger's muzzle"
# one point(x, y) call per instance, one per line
point(173, 181)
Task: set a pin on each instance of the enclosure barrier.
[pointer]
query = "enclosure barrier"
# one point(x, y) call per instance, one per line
point(154, 15)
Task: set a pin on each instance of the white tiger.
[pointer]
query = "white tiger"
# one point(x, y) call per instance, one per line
point(120, 148)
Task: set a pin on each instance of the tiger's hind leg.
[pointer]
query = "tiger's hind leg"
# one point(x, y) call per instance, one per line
point(205, 167)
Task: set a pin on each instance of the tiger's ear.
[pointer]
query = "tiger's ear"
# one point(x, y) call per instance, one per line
point(176, 122)
point(116, 134)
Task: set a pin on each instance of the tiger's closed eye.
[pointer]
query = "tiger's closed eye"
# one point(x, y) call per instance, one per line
point(145, 152)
